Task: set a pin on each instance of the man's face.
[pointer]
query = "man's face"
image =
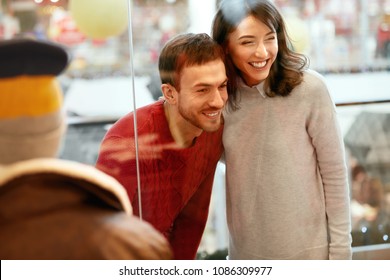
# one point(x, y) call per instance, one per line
point(203, 94)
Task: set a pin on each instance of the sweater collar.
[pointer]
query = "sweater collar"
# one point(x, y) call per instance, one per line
point(259, 87)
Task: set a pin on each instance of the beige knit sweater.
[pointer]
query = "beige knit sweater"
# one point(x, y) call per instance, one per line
point(287, 187)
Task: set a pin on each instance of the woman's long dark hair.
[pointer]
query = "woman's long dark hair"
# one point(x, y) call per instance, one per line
point(287, 70)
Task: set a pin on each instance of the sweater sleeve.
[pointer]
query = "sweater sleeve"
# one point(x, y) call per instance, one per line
point(189, 225)
point(328, 142)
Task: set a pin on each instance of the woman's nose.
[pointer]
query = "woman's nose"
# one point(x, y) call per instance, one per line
point(261, 50)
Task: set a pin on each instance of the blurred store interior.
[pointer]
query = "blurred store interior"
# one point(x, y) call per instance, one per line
point(347, 41)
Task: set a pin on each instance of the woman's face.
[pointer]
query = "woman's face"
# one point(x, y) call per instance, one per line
point(253, 47)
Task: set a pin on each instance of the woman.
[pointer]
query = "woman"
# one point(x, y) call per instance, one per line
point(287, 188)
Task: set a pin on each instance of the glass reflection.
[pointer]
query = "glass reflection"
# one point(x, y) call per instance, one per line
point(342, 38)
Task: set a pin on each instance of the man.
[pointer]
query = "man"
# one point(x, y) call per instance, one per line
point(180, 143)
point(51, 208)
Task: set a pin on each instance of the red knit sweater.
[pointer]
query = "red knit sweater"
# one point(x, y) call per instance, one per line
point(176, 187)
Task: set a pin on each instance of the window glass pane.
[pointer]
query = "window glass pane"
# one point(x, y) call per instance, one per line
point(347, 41)
point(366, 137)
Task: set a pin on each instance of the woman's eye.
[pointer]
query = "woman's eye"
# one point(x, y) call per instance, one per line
point(247, 42)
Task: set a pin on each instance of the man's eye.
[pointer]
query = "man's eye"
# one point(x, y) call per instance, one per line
point(223, 86)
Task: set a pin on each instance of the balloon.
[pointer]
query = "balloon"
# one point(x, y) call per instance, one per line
point(100, 19)
point(299, 34)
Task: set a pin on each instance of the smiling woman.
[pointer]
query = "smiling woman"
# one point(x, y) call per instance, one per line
point(253, 37)
point(292, 173)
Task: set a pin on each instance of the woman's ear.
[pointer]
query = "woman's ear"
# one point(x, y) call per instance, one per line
point(169, 93)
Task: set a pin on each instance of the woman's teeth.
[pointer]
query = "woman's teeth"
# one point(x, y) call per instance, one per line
point(258, 64)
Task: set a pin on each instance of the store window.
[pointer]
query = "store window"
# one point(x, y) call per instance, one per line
point(347, 41)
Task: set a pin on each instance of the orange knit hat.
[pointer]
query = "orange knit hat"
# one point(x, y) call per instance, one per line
point(31, 117)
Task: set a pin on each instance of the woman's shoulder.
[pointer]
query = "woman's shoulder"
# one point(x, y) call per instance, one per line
point(314, 83)
point(315, 87)
point(314, 79)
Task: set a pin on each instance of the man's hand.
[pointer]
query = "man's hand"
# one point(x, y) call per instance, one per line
point(122, 150)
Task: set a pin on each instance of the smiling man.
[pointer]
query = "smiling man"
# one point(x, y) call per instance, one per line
point(179, 142)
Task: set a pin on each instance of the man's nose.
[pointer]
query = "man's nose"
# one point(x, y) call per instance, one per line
point(218, 98)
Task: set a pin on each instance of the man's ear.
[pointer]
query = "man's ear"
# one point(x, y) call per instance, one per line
point(169, 93)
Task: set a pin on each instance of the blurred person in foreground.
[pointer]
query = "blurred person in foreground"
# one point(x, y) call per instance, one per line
point(287, 181)
point(52, 208)
point(184, 131)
